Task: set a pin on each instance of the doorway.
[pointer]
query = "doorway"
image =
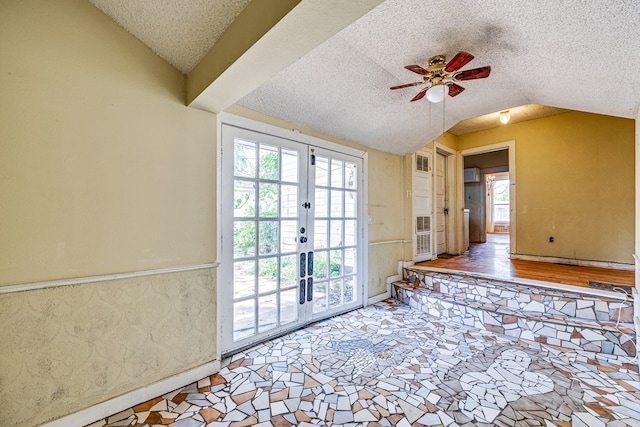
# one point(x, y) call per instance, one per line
point(491, 163)
point(290, 241)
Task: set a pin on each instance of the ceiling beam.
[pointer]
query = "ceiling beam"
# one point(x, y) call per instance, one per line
point(264, 39)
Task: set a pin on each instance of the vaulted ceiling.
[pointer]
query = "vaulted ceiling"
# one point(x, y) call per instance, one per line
point(328, 64)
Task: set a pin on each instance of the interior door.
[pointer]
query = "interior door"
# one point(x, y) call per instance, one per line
point(289, 216)
point(441, 203)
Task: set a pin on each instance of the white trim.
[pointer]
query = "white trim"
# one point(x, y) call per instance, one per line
point(135, 397)
point(380, 297)
point(511, 146)
point(530, 282)
point(289, 134)
point(244, 124)
point(388, 242)
point(103, 278)
point(385, 295)
point(573, 261)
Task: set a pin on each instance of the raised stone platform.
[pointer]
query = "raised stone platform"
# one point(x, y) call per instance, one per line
point(563, 317)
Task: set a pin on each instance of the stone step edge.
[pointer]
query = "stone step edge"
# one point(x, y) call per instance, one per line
point(627, 328)
point(452, 283)
point(542, 288)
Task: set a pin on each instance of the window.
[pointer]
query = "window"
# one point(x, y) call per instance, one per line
point(500, 201)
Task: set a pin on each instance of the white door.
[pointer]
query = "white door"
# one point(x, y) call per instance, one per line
point(422, 190)
point(290, 238)
point(441, 204)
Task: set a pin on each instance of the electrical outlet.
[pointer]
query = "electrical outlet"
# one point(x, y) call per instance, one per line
point(408, 194)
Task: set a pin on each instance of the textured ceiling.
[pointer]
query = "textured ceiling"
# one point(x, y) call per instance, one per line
point(576, 54)
point(179, 31)
point(517, 115)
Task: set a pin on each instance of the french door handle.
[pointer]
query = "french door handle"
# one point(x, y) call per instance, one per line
point(303, 265)
point(302, 290)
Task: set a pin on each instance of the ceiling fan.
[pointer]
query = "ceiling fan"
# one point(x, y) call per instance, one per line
point(440, 76)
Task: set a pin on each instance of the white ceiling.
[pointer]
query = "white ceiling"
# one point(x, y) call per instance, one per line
point(576, 54)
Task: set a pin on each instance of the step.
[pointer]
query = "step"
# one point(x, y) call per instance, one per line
point(523, 311)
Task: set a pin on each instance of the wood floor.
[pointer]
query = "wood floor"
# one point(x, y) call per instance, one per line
point(493, 258)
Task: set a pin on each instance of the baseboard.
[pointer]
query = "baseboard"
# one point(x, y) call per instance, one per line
point(378, 298)
point(578, 262)
point(385, 295)
point(135, 397)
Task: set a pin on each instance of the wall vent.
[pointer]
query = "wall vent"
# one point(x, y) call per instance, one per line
point(423, 224)
point(423, 244)
point(422, 163)
point(423, 235)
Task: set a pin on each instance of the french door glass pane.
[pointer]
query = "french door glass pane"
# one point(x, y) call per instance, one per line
point(336, 203)
point(322, 171)
point(266, 193)
point(320, 234)
point(288, 306)
point(272, 182)
point(336, 173)
point(269, 162)
point(244, 198)
point(335, 234)
point(320, 297)
point(244, 159)
point(322, 203)
point(244, 240)
point(243, 319)
point(267, 312)
point(289, 230)
point(268, 196)
point(244, 283)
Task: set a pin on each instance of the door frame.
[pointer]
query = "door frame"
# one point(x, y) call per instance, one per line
point(295, 136)
point(511, 146)
point(451, 219)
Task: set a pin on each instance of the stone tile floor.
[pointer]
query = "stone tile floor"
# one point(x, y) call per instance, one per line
point(390, 365)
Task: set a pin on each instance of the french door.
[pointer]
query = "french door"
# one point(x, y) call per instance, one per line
point(290, 241)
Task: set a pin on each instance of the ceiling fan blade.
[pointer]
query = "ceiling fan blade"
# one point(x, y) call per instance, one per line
point(460, 60)
point(417, 69)
point(454, 89)
point(476, 73)
point(406, 85)
point(420, 94)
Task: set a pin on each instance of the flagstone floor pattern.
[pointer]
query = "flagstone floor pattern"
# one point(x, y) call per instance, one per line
point(390, 365)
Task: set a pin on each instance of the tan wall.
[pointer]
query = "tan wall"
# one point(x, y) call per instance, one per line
point(386, 190)
point(103, 170)
point(575, 182)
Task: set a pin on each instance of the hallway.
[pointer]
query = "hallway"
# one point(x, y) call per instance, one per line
point(390, 365)
point(492, 258)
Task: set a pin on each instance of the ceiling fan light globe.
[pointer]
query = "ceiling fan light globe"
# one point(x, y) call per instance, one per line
point(436, 93)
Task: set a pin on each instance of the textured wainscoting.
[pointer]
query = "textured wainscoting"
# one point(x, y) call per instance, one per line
point(70, 347)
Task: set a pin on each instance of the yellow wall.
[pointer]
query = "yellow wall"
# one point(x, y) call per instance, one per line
point(103, 170)
point(98, 150)
point(575, 182)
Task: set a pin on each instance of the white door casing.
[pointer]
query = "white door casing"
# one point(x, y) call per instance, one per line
point(291, 234)
point(441, 208)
